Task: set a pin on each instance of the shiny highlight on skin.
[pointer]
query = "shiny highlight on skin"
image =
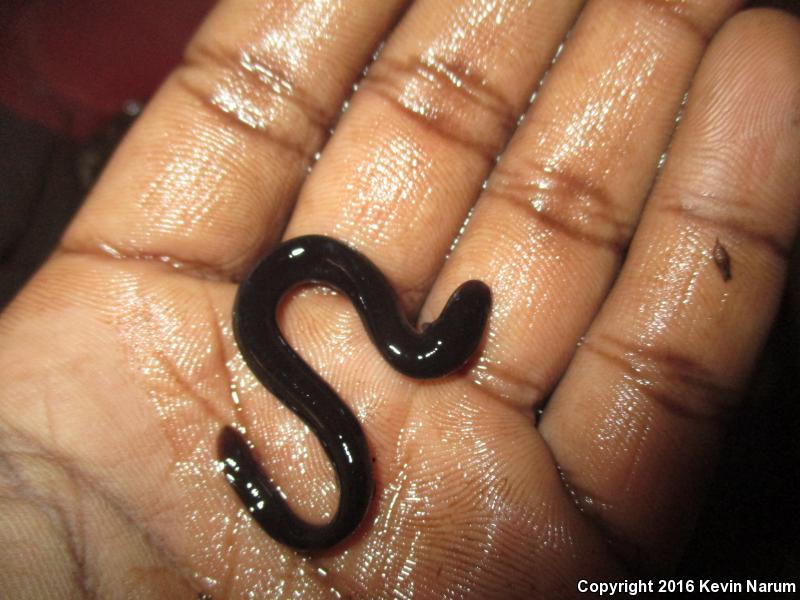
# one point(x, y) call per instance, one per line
point(441, 348)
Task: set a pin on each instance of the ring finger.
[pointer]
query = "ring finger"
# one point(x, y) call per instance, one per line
point(549, 232)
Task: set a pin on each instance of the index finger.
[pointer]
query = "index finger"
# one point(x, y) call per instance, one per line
point(206, 178)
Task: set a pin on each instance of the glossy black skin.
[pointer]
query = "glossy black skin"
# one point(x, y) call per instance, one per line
point(443, 347)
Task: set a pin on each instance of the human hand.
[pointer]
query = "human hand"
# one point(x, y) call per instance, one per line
point(119, 366)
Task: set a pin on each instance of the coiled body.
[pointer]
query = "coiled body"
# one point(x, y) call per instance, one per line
point(443, 347)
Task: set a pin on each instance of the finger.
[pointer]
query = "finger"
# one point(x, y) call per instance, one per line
point(548, 233)
point(207, 176)
point(637, 419)
point(422, 132)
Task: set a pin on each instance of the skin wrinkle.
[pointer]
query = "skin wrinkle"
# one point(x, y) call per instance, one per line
point(590, 507)
point(476, 25)
point(564, 202)
point(196, 269)
point(648, 369)
point(444, 97)
point(737, 227)
point(57, 517)
point(453, 65)
point(457, 42)
point(506, 387)
point(139, 317)
point(261, 76)
point(680, 13)
point(299, 34)
point(85, 480)
point(158, 202)
point(262, 117)
point(596, 508)
point(625, 550)
point(473, 85)
point(432, 121)
point(78, 531)
point(302, 150)
point(174, 375)
point(272, 67)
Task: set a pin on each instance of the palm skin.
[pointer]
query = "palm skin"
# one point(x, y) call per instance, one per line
point(120, 369)
point(126, 413)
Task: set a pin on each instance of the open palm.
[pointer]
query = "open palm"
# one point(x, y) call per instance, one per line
point(634, 308)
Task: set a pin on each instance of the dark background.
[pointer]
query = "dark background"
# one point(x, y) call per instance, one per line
point(73, 74)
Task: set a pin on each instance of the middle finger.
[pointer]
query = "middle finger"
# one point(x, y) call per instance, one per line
point(422, 132)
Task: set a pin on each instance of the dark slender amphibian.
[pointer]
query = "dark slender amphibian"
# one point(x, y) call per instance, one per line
point(444, 346)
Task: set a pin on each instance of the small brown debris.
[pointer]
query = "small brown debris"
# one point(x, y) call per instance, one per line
point(723, 260)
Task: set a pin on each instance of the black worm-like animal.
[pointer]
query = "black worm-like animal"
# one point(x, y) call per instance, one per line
point(442, 347)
